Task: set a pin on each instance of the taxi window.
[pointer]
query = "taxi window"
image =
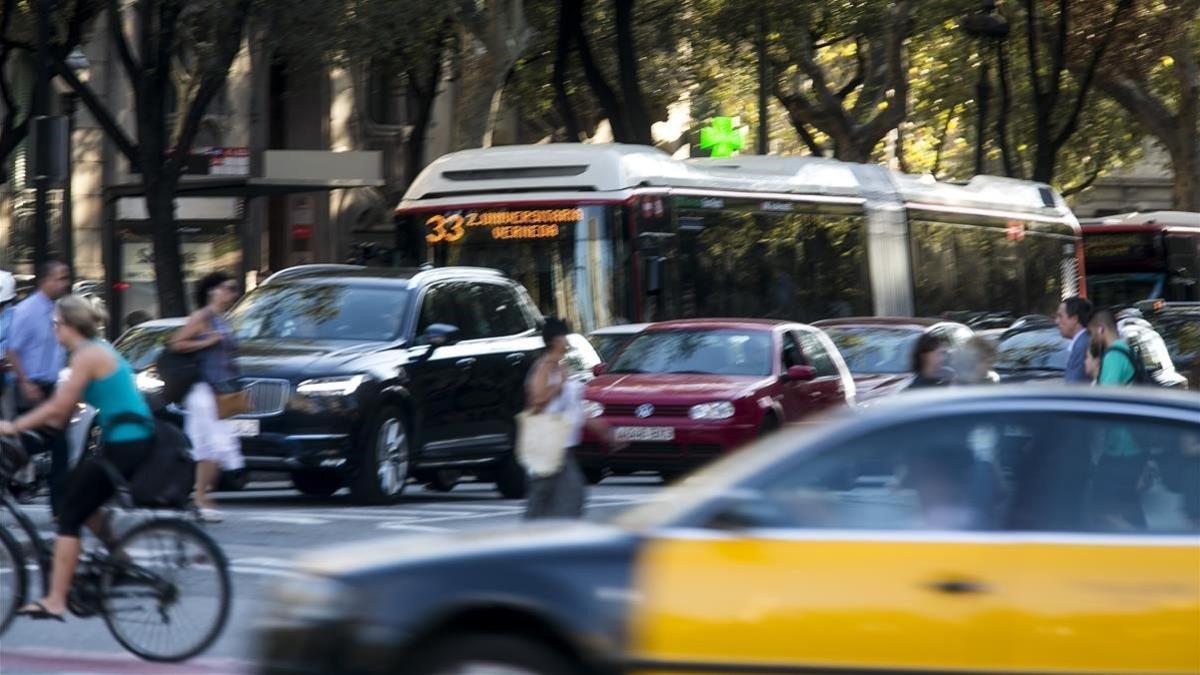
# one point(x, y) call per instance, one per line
point(947, 474)
point(1114, 474)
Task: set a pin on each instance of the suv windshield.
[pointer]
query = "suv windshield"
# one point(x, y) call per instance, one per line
point(1043, 349)
point(141, 345)
point(321, 311)
point(712, 352)
point(872, 349)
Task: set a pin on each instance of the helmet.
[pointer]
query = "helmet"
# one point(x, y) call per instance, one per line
point(8, 287)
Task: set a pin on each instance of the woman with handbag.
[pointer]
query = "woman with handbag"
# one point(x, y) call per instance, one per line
point(217, 395)
point(102, 378)
point(550, 427)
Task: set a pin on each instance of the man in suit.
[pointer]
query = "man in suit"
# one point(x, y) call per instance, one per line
point(1072, 319)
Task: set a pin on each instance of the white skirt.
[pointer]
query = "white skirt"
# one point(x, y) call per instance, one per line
point(212, 439)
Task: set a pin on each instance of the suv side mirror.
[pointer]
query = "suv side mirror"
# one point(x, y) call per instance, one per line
point(800, 374)
point(599, 369)
point(439, 335)
point(745, 512)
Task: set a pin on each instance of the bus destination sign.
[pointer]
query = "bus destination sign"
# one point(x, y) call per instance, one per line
point(1118, 246)
point(503, 225)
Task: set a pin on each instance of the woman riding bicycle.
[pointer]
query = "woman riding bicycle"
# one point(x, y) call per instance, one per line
point(104, 380)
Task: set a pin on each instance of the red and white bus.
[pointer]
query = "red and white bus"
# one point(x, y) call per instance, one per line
point(605, 234)
point(1143, 256)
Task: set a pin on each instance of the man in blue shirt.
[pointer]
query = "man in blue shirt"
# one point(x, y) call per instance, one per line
point(36, 359)
point(1072, 320)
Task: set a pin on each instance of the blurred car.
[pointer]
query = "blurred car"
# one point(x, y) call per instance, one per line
point(684, 392)
point(1149, 345)
point(611, 340)
point(1032, 352)
point(878, 350)
point(948, 531)
point(1179, 325)
point(581, 359)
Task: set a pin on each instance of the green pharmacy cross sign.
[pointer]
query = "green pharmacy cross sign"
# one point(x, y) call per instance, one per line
point(721, 137)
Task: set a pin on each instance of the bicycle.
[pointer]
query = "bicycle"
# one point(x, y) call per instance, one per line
point(137, 585)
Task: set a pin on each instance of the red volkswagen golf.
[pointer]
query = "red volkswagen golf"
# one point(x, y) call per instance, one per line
point(683, 392)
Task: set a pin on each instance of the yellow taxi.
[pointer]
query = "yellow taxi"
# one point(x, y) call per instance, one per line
point(1000, 530)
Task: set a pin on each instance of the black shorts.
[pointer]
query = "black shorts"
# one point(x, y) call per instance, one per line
point(90, 486)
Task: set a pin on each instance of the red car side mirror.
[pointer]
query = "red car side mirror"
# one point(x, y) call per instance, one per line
point(800, 374)
point(599, 369)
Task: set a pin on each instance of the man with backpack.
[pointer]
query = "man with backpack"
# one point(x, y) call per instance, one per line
point(1120, 365)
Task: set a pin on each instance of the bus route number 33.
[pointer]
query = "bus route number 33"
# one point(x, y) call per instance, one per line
point(445, 228)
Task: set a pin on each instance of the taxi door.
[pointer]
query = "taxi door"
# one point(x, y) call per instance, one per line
point(873, 553)
point(1118, 591)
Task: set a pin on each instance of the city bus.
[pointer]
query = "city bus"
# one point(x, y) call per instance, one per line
point(1143, 256)
point(609, 234)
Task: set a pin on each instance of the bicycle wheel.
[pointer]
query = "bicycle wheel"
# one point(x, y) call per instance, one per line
point(12, 578)
point(165, 595)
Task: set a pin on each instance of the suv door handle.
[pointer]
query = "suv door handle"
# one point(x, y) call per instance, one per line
point(515, 359)
point(466, 363)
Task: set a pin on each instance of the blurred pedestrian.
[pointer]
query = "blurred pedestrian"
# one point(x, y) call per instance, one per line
point(1072, 319)
point(8, 293)
point(549, 389)
point(976, 360)
point(1095, 355)
point(1121, 464)
point(215, 446)
point(928, 362)
point(36, 358)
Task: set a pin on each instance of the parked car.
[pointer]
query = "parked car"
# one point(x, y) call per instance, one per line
point(684, 392)
point(946, 531)
point(370, 377)
point(1032, 352)
point(609, 341)
point(878, 350)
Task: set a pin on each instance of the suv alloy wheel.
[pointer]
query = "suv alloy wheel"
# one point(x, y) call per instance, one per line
point(384, 463)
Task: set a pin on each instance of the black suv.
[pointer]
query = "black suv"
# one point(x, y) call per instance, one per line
point(371, 377)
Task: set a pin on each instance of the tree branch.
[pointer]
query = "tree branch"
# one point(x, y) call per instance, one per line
point(116, 29)
point(941, 143)
point(896, 108)
point(1058, 58)
point(1086, 183)
point(1085, 84)
point(1151, 112)
point(1006, 153)
point(1031, 49)
point(859, 72)
point(114, 131)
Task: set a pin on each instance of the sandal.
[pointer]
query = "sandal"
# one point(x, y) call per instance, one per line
point(38, 612)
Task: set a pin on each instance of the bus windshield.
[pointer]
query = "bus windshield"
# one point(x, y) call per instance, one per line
point(570, 257)
point(1119, 290)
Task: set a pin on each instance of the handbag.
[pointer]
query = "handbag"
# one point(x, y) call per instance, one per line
point(232, 404)
point(178, 372)
point(542, 442)
point(166, 477)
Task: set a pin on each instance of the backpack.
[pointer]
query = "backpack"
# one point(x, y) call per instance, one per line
point(178, 373)
point(165, 480)
point(1141, 376)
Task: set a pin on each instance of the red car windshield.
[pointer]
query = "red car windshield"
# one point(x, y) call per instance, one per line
point(705, 352)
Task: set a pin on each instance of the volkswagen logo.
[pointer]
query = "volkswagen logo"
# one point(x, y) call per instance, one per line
point(644, 410)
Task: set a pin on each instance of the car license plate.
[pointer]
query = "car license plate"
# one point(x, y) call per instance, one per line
point(243, 428)
point(645, 433)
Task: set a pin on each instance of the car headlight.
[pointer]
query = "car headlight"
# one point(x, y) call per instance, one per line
point(310, 599)
point(331, 386)
point(148, 382)
point(718, 410)
point(593, 409)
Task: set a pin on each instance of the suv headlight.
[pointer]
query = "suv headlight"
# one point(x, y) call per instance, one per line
point(331, 386)
point(593, 409)
point(717, 410)
point(148, 382)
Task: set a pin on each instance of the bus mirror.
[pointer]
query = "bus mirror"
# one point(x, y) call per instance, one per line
point(654, 274)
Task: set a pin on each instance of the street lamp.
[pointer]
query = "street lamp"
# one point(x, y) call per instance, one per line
point(78, 64)
point(988, 26)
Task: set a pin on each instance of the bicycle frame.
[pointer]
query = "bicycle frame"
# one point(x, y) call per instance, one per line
point(42, 550)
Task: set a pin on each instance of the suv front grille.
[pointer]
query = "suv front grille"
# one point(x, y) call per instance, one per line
point(267, 397)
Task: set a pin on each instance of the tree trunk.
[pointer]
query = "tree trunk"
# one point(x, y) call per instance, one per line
point(631, 89)
point(562, 56)
point(168, 263)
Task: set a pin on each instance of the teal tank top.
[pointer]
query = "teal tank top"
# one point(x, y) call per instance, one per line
point(115, 395)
